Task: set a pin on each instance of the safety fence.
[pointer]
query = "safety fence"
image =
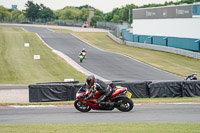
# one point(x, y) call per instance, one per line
point(178, 51)
point(175, 42)
point(75, 23)
point(63, 91)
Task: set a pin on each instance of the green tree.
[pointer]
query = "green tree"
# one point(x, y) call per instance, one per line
point(57, 14)
point(108, 16)
point(123, 15)
point(4, 13)
point(70, 13)
point(45, 13)
point(96, 18)
point(188, 1)
point(98, 13)
point(115, 19)
point(32, 10)
point(21, 17)
point(84, 6)
point(16, 14)
point(84, 14)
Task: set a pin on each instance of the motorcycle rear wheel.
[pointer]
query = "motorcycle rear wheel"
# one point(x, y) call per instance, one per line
point(81, 106)
point(126, 104)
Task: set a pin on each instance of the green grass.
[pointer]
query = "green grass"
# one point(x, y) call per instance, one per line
point(102, 128)
point(19, 67)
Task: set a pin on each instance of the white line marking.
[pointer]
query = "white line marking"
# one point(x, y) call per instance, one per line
point(33, 106)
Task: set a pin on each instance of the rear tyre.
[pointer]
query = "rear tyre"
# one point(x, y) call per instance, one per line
point(125, 104)
point(81, 106)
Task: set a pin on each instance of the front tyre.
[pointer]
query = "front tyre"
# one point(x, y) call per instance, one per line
point(126, 104)
point(81, 106)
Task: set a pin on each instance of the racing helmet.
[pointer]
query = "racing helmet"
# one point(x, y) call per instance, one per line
point(90, 80)
point(195, 75)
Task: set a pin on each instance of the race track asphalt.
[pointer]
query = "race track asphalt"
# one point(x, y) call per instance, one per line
point(168, 113)
point(110, 66)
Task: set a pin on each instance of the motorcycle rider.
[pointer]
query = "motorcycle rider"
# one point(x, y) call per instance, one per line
point(192, 77)
point(83, 51)
point(102, 87)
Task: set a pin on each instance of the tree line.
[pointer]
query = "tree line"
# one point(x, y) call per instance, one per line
point(40, 13)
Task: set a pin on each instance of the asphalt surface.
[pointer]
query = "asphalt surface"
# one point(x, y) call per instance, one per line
point(110, 66)
point(6, 87)
point(179, 113)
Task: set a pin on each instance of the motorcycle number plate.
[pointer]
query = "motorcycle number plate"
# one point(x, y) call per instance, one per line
point(128, 94)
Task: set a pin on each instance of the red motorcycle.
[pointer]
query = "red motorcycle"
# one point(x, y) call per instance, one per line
point(119, 95)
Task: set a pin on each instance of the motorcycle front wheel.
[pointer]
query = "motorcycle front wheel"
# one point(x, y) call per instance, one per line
point(126, 104)
point(81, 106)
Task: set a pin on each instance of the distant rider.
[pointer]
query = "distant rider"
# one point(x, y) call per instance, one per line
point(192, 77)
point(83, 51)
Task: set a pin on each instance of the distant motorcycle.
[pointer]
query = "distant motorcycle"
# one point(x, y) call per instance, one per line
point(191, 77)
point(80, 58)
point(120, 95)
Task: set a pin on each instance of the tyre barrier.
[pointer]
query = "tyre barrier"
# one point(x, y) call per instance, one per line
point(66, 91)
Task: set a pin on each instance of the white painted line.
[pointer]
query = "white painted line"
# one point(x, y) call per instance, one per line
point(51, 30)
point(184, 103)
point(33, 106)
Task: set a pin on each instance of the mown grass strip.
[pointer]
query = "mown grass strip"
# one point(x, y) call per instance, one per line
point(102, 128)
point(17, 65)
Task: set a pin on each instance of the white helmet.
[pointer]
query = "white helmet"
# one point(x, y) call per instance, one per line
point(195, 74)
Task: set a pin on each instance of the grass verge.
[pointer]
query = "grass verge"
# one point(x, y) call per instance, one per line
point(102, 128)
point(18, 65)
